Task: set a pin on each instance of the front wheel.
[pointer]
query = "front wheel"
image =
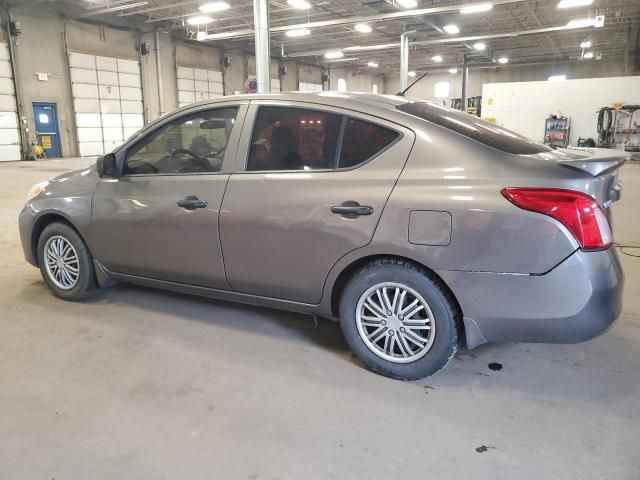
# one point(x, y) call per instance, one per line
point(399, 320)
point(65, 262)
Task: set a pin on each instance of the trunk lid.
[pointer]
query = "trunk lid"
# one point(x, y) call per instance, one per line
point(601, 164)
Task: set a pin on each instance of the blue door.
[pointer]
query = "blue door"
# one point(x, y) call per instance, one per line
point(45, 116)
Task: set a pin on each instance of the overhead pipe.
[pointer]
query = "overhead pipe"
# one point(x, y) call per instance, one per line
point(441, 41)
point(263, 53)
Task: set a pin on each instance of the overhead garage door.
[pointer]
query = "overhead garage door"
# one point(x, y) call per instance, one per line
point(310, 87)
point(9, 133)
point(196, 84)
point(107, 99)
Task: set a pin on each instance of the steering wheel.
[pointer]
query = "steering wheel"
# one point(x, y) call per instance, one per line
point(197, 161)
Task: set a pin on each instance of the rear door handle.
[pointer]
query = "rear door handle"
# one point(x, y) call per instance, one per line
point(192, 202)
point(351, 209)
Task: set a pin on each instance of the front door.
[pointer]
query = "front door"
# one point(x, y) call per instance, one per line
point(45, 117)
point(310, 188)
point(159, 219)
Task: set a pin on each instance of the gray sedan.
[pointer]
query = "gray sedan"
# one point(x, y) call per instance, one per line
point(419, 227)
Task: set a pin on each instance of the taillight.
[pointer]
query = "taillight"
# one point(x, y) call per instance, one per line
point(577, 211)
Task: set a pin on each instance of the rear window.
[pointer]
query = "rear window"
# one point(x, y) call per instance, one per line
point(475, 128)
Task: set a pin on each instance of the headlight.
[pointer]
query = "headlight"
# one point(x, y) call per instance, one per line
point(36, 190)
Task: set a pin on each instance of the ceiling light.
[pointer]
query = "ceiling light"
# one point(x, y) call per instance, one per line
point(574, 3)
point(362, 27)
point(557, 78)
point(117, 8)
point(408, 3)
point(333, 55)
point(411, 73)
point(503, 60)
point(476, 8)
point(479, 46)
point(451, 29)
point(453, 70)
point(437, 58)
point(212, 7)
point(581, 23)
point(199, 20)
point(586, 44)
point(299, 4)
point(588, 55)
point(372, 64)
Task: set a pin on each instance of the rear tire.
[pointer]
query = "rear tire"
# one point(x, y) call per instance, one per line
point(65, 262)
point(400, 320)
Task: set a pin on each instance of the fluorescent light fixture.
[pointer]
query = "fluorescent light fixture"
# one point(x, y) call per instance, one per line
point(557, 78)
point(476, 8)
point(588, 55)
point(586, 44)
point(333, 55)
point(372, 64)
point(212, 7)
point(118, 8)
point(581, 23)
point(411, 73)
point(479, 46)
point(199, 20)
point(437, 58)
point(451, 29)
point(201, 36)
point(298, 32)
point(362, 28)
point(299, 4)
point(408, 3)
point(453, 71)
point(503, 60)
point(574, 3)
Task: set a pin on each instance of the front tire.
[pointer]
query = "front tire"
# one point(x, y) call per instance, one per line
point(399, 320)
point(65, 262)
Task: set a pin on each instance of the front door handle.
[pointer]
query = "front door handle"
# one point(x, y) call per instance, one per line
point(192, 202)
point(351, 209)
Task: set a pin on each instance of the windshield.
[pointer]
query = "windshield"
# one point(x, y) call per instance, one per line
point(474, 127)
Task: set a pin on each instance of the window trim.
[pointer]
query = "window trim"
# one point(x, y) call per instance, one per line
point(123, 152)
point(254, 111)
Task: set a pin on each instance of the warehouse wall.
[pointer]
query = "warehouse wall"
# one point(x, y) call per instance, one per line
point(578, 99)
point(149, 70)
point(362, 81)
point(40, 48)
point(478, 77)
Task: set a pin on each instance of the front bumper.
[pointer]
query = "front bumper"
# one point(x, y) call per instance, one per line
point(26, 221)
point(576, 301)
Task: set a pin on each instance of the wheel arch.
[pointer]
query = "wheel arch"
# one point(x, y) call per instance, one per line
point(352, 268)
point(41, 223)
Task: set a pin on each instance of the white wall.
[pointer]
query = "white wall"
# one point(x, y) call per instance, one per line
point(523, 106)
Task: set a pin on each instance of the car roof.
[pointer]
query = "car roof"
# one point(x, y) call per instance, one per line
point(349, 100)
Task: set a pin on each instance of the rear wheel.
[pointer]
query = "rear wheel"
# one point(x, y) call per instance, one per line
point(65, 262)
point(399, 320)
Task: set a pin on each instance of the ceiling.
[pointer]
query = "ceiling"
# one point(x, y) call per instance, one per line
point(532, 25)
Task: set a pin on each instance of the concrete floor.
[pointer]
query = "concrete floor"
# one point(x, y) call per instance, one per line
point(141, 384)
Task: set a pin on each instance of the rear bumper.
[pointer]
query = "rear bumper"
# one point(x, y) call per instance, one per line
point(576, 301)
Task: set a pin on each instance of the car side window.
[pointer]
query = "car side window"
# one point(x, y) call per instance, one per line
point(287, 138)
point(193, 143)
point(363, 140)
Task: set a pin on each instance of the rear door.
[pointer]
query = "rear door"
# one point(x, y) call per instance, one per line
point(308, 188)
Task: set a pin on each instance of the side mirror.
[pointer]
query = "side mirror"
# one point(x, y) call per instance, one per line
point(106, 166)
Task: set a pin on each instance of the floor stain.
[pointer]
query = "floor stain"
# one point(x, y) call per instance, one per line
point(484, 448)
point(495, 366)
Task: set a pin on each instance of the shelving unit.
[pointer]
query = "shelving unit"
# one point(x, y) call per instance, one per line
point(557, 131)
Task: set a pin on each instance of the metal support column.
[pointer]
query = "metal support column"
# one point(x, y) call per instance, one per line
point(404, 60)
point(465, 81)
point(261, 26)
